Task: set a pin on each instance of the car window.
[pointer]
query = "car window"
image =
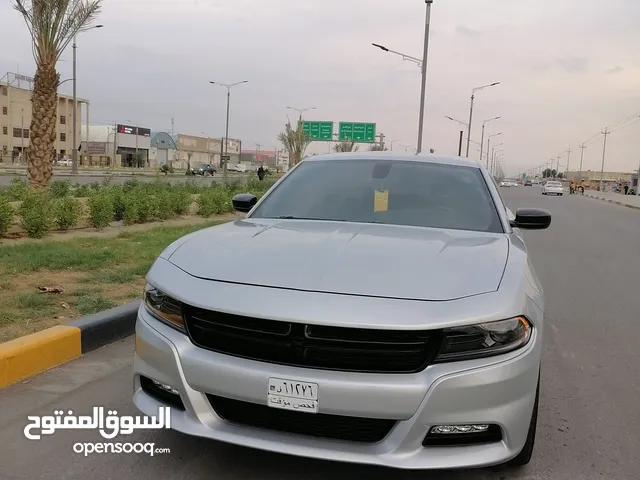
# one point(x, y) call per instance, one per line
point(392, 192)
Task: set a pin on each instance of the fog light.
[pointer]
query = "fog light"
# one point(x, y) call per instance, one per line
point(460, 435)
point(162, 392)
point(166, 388)
point(453, 429)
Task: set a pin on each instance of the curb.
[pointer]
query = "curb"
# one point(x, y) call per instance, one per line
point(615, 202)
point(32, 354)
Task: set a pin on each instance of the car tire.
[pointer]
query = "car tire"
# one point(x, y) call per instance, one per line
point(524, 457)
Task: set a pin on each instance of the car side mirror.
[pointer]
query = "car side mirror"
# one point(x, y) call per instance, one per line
point(531, 219)
point(244, 202)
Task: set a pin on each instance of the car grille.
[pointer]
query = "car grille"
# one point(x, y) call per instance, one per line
point(312, 346)
point(335, 427)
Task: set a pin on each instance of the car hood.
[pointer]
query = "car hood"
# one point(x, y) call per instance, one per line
point(347, 258)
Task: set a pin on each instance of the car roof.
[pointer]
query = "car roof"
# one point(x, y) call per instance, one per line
point(397, 157)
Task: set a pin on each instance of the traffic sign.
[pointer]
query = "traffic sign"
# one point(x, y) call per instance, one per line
point(322, 131)
point(357, 132)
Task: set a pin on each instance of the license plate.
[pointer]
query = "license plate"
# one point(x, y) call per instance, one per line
point(293, 395)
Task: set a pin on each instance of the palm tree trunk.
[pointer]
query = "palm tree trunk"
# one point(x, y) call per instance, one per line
point(43, 126)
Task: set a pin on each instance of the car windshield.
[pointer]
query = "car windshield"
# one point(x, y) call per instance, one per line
point(554, 184)
point(407, 193)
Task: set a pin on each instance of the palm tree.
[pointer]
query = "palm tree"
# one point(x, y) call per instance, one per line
point(346, 147)
point(295, 142)
point(52, 25)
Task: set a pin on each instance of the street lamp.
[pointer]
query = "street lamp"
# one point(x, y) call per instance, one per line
point(301, 110)
point(482, 139)
point(489, 143)
point(226, 135)
point(394, 141)
point(473, 96)
point(423, 65)
point(404, 56)
point(457, 121)
point(74, 151)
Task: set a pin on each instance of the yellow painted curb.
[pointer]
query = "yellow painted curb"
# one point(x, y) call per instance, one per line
point(35, 353)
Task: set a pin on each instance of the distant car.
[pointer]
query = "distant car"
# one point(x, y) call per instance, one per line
point(204, 169)
point(65, 162)
point(528, 183)
point(552, 188)
point(505, 183)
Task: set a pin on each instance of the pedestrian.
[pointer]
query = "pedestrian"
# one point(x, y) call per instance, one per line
point(260, 173)
point(626, 189)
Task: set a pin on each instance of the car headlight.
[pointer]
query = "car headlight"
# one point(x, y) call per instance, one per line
point(484, 340)
point(164, 308)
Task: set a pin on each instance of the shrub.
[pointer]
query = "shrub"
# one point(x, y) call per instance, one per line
point(60, 188)
point(101, 210)
point(66, 211)
point(165, 204)
point(117, 196)
point(36, 213)
point(17, 190)
point(6, 215)
point(181, 201)
point(166, 168)
point(214, 201)
point(139, 207)
point(82, 191)
point(130, 185)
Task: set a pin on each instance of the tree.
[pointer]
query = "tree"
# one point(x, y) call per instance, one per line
point(346, 147)
point(295, 142)
point(52, 25)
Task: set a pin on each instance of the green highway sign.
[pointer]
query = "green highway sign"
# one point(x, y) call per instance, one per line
point(357, 132)
point(322, 131)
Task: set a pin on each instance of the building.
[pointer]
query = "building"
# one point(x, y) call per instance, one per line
point(594, 176)
point(278, 159)
point(193, 150)
point(15, 118)
point(163, 149)
point(133, 144)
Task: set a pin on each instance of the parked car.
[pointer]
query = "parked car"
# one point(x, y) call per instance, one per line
point(203, 169)
point(552, 187)
point(294, 330)
point(64, 162)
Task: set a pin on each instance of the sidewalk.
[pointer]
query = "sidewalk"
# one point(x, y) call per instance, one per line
point(630, 201)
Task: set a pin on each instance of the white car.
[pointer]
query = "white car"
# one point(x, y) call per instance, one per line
point(508, 183)
point(552, 188)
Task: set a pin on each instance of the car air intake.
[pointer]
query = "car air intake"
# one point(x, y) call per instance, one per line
point(312, 346)
point(335, 427)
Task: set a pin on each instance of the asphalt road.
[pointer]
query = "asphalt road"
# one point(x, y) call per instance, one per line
point(85, 179)
point(589, 424)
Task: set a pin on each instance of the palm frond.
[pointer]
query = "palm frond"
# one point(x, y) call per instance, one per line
point(52, 24)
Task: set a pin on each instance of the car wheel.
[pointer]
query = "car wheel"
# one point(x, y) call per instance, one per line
point(524, 457)
point(561, 194)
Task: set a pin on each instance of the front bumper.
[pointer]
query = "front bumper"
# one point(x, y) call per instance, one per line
point(500, 390)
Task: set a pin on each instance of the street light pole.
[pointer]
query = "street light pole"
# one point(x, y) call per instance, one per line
point(582, 147)
point(473, 96)
point(604, 150)
point(482, 139)
point(423, 88)
point(488, 144)
point(74, 151)
point(226, 135)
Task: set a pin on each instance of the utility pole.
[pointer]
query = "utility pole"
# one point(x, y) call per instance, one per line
point(582, 147)
point(74, 151)
point(460, 143)
point(172, 126)
point(604, 151)
point(423, 88)
point(568, 156)
point(382, 141)
point(558, 167)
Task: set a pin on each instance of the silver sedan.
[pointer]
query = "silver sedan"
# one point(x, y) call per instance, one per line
point(371, 308)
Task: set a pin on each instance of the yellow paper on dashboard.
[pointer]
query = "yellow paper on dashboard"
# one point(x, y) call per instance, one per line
point(381, 201)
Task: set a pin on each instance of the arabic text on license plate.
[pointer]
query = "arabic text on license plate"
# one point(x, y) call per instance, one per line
point(293, 395)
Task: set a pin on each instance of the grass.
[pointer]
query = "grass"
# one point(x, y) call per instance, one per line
point(97, 273)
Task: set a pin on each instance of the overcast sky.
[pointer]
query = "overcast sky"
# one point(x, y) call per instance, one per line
point(567, 68)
